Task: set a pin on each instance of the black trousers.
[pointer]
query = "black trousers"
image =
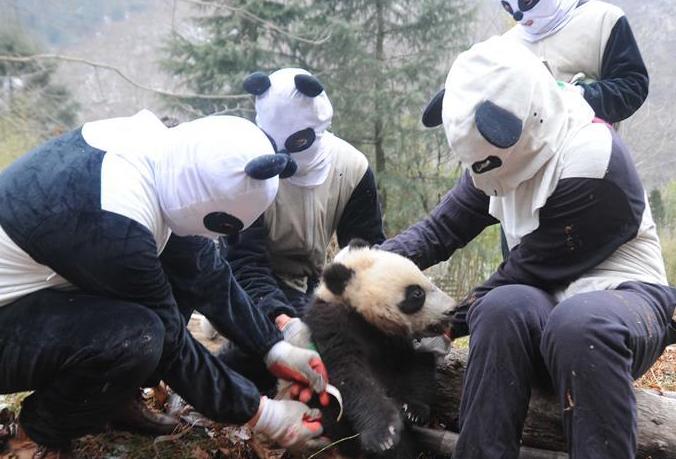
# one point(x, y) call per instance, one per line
point(589, 348)
point(82, 355)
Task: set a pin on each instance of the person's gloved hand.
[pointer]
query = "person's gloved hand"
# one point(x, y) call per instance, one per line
point(295, 331)
point(302, 366)
point(287, 422)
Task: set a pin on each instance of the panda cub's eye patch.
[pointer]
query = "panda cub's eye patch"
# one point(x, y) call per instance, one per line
point(413, 301)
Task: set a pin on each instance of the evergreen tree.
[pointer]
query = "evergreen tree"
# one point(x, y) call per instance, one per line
point(380, 61)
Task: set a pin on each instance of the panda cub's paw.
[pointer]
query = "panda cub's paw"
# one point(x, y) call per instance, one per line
point(416, 413)
point(383, 437)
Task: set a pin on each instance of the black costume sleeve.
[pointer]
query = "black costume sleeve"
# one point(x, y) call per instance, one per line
point(251, 266)
point(460, 216)
point(362, 217)
point(623, 84)
point(581, 225)
point(198, 272)
point(107, 254)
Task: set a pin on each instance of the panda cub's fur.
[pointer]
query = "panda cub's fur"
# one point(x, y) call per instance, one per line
point(369, 307)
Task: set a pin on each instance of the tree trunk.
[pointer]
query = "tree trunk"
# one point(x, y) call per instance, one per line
point(378, 94)
point(543, 431)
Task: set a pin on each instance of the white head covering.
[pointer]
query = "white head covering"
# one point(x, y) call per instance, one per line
point(543, 19)
point(283, 110)
point(507, 75)
point(198, 167)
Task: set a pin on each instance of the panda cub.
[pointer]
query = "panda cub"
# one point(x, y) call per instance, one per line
point(367, 311)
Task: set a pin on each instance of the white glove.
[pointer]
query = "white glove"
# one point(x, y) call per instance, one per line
point(296, 364)
point(297, 333)
point(288, 422)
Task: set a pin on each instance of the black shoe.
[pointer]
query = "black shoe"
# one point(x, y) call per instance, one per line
point(137, 417)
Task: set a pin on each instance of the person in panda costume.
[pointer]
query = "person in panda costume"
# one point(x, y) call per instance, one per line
point(582, 301)
point(588, 43)
point(278, 261)
point(104, 233)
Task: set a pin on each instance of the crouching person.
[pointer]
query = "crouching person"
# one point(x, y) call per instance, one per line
point(103, 231)
point(581, 301)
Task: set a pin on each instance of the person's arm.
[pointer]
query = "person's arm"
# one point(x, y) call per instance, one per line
point(195, 264)
point(622, 86)
point(251, 267)
point(109, 255)
point(460, 216)
point(362, 217)
point(581, 225)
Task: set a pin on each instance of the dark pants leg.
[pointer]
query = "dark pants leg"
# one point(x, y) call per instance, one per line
point(594, 345)
point(504, 360)
point(83, 355)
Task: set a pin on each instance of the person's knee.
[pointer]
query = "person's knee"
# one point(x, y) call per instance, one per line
point(578, 330)
point(140, 344)
point(509, 306)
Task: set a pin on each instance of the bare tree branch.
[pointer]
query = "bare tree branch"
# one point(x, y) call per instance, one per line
point(79, 60)
point(252, 17)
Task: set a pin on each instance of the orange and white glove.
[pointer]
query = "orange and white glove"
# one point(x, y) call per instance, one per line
point(301, 366)
point(287, 422)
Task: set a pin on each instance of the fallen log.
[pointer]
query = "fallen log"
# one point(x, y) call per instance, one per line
point(543, 431)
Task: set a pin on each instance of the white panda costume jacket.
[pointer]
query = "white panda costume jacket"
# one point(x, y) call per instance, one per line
point(588, 37)
point(332, 191)
point(117, 209)
point(562, 183)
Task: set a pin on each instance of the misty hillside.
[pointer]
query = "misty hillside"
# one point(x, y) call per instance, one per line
point(130, 35)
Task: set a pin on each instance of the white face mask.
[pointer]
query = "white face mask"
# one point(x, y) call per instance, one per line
point(296, 119)
point(540, 18)
point(203, 181)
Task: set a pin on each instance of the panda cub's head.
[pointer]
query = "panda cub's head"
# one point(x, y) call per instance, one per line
point(388, 291)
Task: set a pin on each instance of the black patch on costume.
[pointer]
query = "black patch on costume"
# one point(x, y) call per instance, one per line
point(336, 276)
point(290, 169)
point(500, 127)
point(266, 166)
point(432, 114)
point(223, 223)
point(527, 5)
point(358, 243)
point(257, 83)
point(301, 140)
point(308, 85)
point(413, 301)
point(485, 165)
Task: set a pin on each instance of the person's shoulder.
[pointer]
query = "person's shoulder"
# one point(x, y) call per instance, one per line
point(601, 10)
point(345, 154)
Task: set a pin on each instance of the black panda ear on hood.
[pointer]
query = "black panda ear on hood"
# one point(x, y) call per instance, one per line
point(501, 128)
point(336, 277)
point(308, 85)
point(257, 83)
point(432, 114)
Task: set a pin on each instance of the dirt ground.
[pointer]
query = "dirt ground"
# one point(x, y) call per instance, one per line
point(199, 438)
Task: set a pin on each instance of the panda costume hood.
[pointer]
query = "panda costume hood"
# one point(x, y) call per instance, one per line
point(294, 110)
point(512, 138)
point(212, 176)
point(539, 19)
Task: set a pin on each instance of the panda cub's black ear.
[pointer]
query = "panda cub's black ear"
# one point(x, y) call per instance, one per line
point(336, 277)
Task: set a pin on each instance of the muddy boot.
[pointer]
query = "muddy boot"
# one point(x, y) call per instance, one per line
point(138, 417)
